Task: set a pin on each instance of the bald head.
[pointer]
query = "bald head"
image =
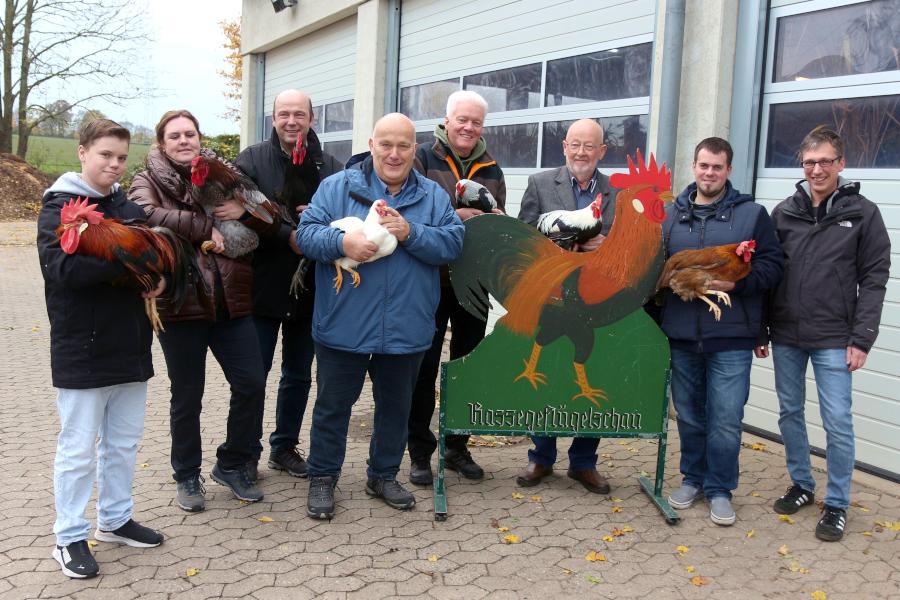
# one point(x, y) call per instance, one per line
point(583, 149)
point(393, 147)
point(292, 115)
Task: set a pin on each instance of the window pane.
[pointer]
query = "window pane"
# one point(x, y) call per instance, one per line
point(339, 116)
point(512, 145)
point(606, 75)
point(341, 149)
point(870, 128)
point(508, 89)
point(622, 136)
point(427, 101)
point(848, 40)
point(319, 116)
point(425, 137)
point(267, 127)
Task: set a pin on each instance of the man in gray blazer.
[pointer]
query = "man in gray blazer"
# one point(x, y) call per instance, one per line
point(571, 187)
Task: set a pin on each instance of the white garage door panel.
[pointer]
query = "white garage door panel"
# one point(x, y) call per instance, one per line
point(322, 63)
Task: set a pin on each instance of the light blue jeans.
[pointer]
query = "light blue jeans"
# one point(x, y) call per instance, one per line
point(834, 384)
point(116, 414)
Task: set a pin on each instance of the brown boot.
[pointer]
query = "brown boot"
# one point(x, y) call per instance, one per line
point(592, 480)
point(533, 474)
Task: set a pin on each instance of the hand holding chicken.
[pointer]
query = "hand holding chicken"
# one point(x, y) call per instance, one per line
point(369, 240)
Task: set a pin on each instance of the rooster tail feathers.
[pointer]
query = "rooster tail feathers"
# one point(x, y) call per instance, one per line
point(181, 264)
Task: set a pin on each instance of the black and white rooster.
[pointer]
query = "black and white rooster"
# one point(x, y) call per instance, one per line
point(568, 228)
point(471, 194)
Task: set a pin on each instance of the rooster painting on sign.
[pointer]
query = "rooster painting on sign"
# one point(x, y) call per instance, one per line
point(573, 204)
point(712, 350)
point(389, 228)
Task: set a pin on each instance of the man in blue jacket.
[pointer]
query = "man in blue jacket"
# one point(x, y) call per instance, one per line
point(711, 359)
point(383, 326)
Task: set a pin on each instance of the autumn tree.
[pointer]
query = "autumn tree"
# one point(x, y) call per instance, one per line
point(233, 73)
point(85, 47)
point(60, 124)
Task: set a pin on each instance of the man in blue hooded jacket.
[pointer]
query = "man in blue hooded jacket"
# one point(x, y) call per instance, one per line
point(711, 359)
point(384, 326)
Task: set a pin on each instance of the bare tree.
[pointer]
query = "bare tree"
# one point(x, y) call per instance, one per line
point(53, 44)
point(234, 68)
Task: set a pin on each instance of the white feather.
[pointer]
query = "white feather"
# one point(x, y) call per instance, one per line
point(373, 231)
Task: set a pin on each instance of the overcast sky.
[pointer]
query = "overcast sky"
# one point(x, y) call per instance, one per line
point(180, 64)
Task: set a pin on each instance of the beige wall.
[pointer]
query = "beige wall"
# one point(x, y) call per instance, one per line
point(262, 28)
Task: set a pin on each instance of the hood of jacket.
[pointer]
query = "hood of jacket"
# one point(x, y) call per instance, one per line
point(72, 183)
point(800, 203)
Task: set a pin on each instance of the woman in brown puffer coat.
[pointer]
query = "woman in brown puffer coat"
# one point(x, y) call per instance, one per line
point(215, 316)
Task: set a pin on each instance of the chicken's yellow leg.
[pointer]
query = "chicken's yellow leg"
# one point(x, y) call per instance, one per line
point(355, 276)
point(530, 373)
point(153, 315)
point(715, 310)
point(721, 296)
point(338, 278)
point(587, 391)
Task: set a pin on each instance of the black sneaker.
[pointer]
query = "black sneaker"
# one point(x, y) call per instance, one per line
point(831, 525)
point(290, 460)
point(253, 471)
point(793, 500)
point(132, 534)
point(420, 473)
point(461, 462)
point(320, 499)
point(191, 494)
point(393, 494)
point(239, 481)
point(76, 560)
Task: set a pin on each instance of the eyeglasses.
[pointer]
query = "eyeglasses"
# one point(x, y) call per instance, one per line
point(577, 146)
point(825, 163)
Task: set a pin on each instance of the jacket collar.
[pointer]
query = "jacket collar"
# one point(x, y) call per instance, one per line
point(363, 180)
point(841, 202)
point(313, 145)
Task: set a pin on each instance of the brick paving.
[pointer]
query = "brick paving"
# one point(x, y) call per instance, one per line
point(372, 551)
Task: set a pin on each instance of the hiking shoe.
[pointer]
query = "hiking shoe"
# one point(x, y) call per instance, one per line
point(721, 512)
point(393, 494)
point(76, 560)
point(684, 496)
point(191, 494)
point(420, 473)
point(320, 499)
point(793, 500)
point(461, 462)
point(238, 480)
point(253, 471)
point(290, 460)
point(831, 525)
point(131, 534)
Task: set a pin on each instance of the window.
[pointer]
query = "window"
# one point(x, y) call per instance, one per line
point(861, 38)
point(508, 89)
point(340, 149)
point(870, 128)
point(606, 75)
point(427, 101)
point(425, 137)
point(338, 116)
point(622, 136)
point(512, 145)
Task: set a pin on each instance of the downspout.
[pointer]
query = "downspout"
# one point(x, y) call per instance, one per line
point(261, 133)
point(670, 81)
point(391, 71)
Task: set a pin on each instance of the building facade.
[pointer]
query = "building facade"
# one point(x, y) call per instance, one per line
point(659, 75)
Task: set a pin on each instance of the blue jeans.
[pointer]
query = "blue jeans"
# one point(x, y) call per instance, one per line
point(834, 383)
point(297, 353)
point(116, 414)
point(339, 379)
point(582, 452)
point(710, 391)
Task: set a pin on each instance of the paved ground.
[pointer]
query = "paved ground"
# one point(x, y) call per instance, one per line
point(272, 550)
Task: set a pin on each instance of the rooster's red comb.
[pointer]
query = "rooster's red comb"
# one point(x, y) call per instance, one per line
point(659, 177)
point(77, 208)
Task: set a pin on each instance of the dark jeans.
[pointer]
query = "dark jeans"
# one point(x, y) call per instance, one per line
point(297, 353)
point(582, 452)
point(339, 380)
point(236, 348)
point(468, 331)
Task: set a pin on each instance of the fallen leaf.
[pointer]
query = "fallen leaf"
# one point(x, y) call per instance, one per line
point(784, 550)
point(593, 579)
point(266, 519)
point(617, 532)
point(867, 533)
point(819, 595)
point(690, 568)
point(144, 465)
point(92, 544)
point(607, 538)
point(623, 443)
point(889, 525)
point(595, 557)
point(495, 523)
point(503, 529)
point(863, 508)
point(682, 549)
point(511, 539)
point(616, 509)
point(191, 572)
point(535, 498)
point(35, 328)
point(567, 571)
point(362, 425)
point(243, 502)
point(627, 529)
point(751, 533)
point(698, 581)
point(755, 494)
point(606, 455)
point(758, 446)
point(645, 474)
point(432, 558)
point(517, 495)
point(617, 500)
point(786, 519)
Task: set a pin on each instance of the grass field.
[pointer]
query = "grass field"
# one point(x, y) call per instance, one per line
point(58, 155)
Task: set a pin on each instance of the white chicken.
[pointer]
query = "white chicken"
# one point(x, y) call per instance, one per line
point(373, 231)
point(566, 228)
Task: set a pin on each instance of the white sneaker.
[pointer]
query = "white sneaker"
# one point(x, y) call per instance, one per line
point(684, 496)
point(721, 512)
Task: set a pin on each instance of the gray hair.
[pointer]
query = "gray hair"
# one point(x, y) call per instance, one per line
point(465, 96)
